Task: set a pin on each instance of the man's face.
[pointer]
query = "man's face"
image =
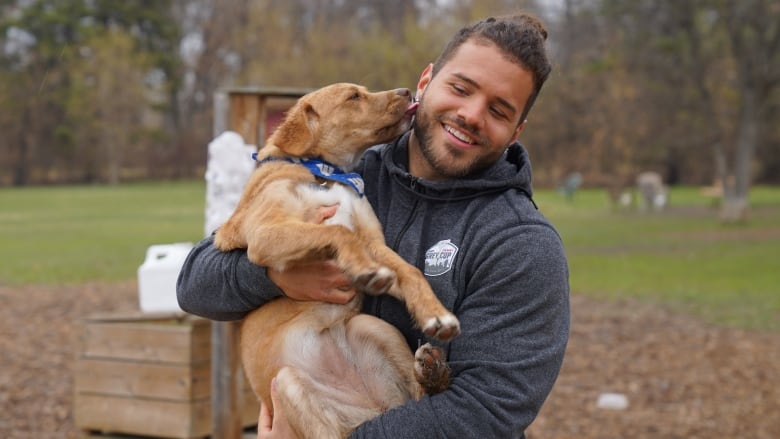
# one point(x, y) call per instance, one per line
point(469, 112)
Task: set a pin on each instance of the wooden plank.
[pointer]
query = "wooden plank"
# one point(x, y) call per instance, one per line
point(249, 433)
point(271, 92)
point(225, 395)
point(156, 418)
point(244, 116)
point(220, 114)
point(262, 116)
point(165, 342)
point(176, 382)
point(149, 380)
point(145, 317)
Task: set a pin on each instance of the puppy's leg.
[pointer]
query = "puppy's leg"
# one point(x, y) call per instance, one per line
point(307, 416)
point(430, 369)
point(281, 244)
point(383, 359)
point(410, 285)
point(228, 236)
point(413, 289)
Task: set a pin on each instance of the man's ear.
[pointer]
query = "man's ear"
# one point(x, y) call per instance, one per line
point(296, 134)
point(425, 79)
point(518, 130)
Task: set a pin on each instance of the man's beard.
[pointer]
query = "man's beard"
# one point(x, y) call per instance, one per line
point(423, 125)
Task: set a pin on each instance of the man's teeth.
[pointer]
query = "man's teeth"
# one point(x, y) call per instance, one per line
point(458, 134)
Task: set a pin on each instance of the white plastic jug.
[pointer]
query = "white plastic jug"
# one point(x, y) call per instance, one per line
point(157, 276)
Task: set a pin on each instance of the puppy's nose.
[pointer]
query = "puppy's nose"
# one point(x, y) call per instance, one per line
point(403, 92)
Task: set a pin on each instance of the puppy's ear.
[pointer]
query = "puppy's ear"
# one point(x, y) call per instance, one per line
point(312, 118)
point(295, 136)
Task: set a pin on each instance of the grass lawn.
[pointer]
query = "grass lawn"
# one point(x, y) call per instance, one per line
point(684, 257)
point(81, 233)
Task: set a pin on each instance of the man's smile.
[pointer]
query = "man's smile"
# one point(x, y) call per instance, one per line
point(459, 134)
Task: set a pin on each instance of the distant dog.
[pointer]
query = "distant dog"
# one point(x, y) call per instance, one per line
point(652, 192)
point(335, 368)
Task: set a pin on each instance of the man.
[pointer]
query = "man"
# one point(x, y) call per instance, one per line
point(454, 197)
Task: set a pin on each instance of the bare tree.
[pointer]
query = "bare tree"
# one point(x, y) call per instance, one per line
point(753, 28)
point(701, 75)
point(108, 99)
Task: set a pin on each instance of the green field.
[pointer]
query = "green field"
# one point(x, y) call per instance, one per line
point(76, 234)
point(684, 257)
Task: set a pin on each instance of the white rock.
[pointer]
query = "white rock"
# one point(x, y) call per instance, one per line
point(612, 401)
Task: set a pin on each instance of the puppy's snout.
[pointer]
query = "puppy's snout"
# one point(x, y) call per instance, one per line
point(403, 92)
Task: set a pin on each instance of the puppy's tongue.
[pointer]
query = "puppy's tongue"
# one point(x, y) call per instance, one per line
point(412, 108)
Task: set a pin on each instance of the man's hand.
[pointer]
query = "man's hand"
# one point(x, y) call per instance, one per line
point(272, 423)
point(320, 280)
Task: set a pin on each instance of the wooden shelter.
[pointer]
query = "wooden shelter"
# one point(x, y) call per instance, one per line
point(252, 112)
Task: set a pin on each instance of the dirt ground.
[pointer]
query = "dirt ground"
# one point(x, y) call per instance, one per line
point(682, 378)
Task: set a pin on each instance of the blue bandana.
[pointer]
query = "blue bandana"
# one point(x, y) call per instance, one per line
point(324, 170)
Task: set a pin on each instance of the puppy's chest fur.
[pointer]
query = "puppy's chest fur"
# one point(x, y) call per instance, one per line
point(328, 193)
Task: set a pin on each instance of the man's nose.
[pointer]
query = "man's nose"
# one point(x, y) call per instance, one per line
point(472, 113)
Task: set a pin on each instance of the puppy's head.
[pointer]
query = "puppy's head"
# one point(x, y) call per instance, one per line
point(338, 122)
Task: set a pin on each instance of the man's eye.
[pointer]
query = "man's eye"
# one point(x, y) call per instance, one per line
point(459, 90)
point(498, 113)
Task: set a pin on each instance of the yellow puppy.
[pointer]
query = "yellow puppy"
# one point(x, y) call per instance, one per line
point(335, 368)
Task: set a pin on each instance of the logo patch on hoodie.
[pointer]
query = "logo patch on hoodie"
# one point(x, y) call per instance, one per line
point(440, 257)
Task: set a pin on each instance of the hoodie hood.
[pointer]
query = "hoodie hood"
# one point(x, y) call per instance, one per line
point(513, 170)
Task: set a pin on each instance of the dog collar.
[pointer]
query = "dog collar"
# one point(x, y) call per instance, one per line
point(322, 169)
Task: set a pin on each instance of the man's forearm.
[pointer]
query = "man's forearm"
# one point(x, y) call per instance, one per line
point(222, 285)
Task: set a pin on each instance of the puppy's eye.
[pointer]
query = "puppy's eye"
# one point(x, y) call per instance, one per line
point(354, 97)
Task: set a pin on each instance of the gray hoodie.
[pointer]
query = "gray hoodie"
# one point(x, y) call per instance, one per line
point(491, 258)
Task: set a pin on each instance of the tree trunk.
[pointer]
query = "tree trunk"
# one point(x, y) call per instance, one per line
point(735, 197)
point(755, 45)
point(22, 169)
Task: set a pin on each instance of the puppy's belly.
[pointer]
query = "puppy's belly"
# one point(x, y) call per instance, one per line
point(324, 355)
point(319, 196)
point(349, 373)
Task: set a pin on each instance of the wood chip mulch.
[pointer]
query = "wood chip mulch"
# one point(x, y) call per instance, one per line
point(682, 378)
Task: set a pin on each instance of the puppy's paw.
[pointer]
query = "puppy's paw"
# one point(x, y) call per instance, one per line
point(376, 281)
point(227, 238)
point(444, 327)
point(221, 242)
point(430, 369)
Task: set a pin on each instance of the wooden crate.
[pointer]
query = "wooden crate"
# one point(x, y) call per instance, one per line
point(148, 375)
